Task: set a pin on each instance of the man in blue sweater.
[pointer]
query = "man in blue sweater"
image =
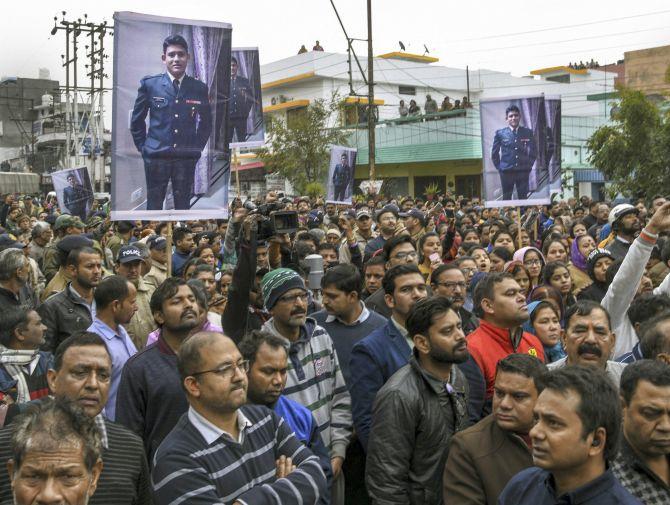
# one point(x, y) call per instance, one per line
point(223, 451)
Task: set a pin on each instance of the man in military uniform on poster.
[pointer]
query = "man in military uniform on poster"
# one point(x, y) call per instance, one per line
point(513, 155)
point(180, 121)
point(241, 102)
point(75, 197)
point(341, 178)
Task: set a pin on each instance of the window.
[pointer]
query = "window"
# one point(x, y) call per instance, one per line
point(407, 90)
point(559, 78)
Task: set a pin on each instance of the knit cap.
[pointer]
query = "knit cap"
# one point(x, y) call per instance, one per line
point(593, 257)
point(277, 282)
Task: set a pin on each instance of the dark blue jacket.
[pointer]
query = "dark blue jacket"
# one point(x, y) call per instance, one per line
point(301, 420)
point(534, 486)
point(179, 125)
point(513, 150)
point(381, 354)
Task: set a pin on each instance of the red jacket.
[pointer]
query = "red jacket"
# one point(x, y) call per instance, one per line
point(488, 344)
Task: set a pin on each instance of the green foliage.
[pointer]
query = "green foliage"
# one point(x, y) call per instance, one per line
point(634, 151)
point(299, 149)
point(314, 190)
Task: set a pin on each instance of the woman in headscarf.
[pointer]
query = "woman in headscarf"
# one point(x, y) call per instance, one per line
point(579, 250)
point(545, 324)
point(533, 260)
point(597, 263)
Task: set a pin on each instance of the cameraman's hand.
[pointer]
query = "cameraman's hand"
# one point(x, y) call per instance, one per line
point(239, 214)
point(250, 224)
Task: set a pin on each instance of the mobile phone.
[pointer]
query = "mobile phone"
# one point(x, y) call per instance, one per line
point(434, 257)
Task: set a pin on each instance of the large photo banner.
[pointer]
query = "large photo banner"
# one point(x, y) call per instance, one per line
point(170, 118)
point(340, 183)
point(514, 151)
point(552, 112)
point(246, 127)
point(74, 191)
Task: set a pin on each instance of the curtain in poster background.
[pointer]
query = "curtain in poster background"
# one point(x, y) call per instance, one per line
point(246, 100)
point(513, 132)
point(168, 156)
point(552, 107)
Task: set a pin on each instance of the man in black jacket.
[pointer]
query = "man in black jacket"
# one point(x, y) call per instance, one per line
point(71, 310)
point(419, 409)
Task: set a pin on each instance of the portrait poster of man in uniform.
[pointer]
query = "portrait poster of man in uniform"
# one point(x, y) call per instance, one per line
point(513, 148)
point(170, 118)
point(245, 108)
point(341, 169)
point(73, 191)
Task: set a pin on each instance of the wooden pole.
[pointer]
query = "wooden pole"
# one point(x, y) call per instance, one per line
point(168, 248)
point(237, 171)
point(518, 232)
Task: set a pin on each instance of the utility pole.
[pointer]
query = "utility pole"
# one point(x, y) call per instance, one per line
point(96, 73)
point(371, 97)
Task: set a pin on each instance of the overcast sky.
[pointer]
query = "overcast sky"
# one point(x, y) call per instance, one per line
point(515, 36)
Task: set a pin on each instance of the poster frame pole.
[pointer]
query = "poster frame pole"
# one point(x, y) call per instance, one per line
point(168, 248)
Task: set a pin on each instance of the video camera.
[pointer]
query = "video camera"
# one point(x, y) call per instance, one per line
point(275, 221)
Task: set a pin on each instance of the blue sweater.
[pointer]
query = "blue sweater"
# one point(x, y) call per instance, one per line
point(188, 470)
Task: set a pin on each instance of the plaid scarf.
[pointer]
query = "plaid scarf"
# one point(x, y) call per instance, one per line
point(15, 363)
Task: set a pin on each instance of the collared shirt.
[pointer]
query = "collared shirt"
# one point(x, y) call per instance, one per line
point(365, 313)
point(82, 300)
point(534, 486)
point(632, 356)
point(173, 78)
point(210, 432)
point(102, 428)
point(120, 348)
point(403, 331)
point(613, 369)
point(638, 478)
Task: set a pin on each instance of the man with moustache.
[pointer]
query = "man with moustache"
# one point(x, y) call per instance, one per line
point(483, 458)
point(449, 281)
point(314, 375)
point(625, 222)
point(250, 453)
point(419, 409)
point(150, 399)
point(81, 375)
point(588, 340)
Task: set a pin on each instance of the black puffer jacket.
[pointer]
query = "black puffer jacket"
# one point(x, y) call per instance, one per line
point(413, 420)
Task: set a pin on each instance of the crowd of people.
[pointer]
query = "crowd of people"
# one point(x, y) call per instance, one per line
point(445, 353)
point(431, 107)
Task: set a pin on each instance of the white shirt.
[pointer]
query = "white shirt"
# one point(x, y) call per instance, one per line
point(365, 313)
point(210, 432)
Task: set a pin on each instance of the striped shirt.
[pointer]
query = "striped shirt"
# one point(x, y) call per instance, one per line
point(314, 380)
point(189, 469)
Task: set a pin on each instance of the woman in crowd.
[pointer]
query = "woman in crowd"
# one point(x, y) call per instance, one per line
point(532, 259)
point(554, 250)
point(597, 263)
point(581, 247)
point(499, 256)
point(481, 257)
point(205, 253)
point(557, 275)
point(503, 238)
point(429, 245)
point(521, 275)
point(545, 324)
point(525, 238)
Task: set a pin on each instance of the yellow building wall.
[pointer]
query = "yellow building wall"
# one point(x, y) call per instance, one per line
point(448, 169)
point(646, 70)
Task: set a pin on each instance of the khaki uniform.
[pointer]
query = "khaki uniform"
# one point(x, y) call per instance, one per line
point(51, 260)
point(142, 322)
point(157, 275)
point(57, 284)
point(114, 244)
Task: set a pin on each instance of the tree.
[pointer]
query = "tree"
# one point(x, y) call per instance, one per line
point(300, 149)
point(634, 150)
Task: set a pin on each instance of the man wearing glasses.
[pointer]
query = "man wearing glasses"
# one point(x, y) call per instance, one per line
point(449, 281)
point(250, 453)
point(314, 378)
